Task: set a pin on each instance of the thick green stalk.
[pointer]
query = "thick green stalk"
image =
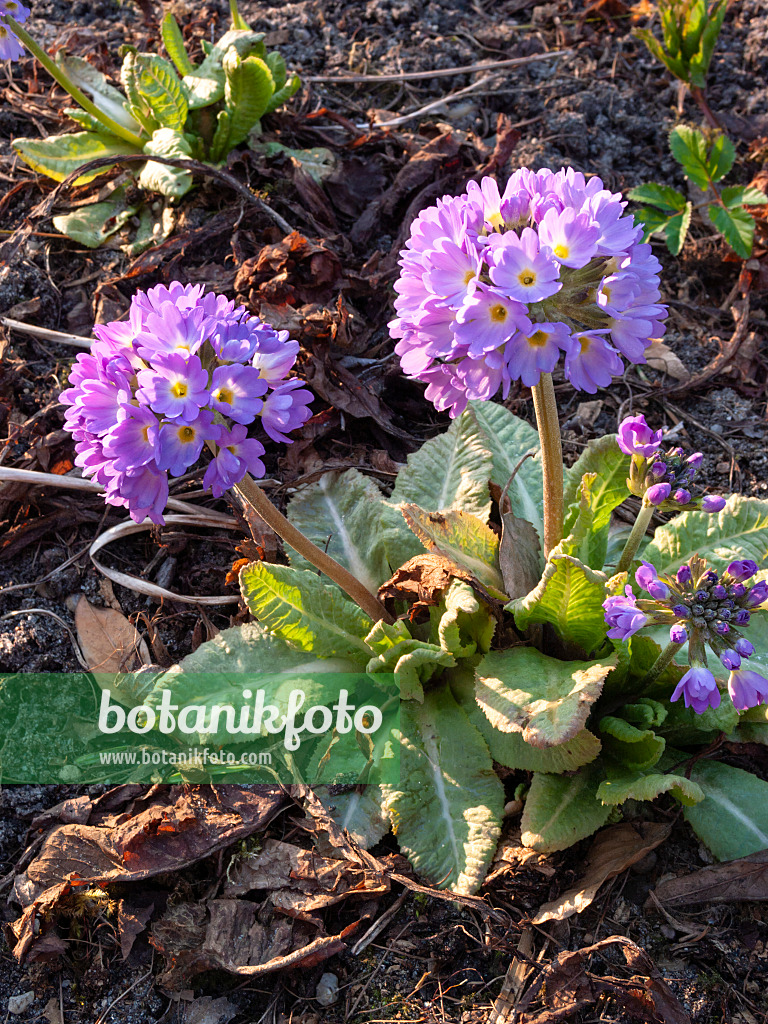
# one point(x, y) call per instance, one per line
point(251, 493)
point(64, 81)
point(635, 538)
point(545, 404)
point(665, 658)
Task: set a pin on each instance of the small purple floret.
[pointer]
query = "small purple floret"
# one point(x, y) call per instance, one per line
point(678, 634)
point(698, 689)
point(747, 688)
point(657, 494)
point(636, 438)
point(712, 503)
point(741, 570)
point(623, 615)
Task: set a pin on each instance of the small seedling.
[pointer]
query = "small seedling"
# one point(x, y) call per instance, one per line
point(705, 163)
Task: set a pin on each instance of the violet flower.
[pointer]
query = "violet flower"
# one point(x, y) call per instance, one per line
point(698, 688)
point(636, 438)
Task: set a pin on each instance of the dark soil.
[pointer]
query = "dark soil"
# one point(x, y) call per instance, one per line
point(605, 107)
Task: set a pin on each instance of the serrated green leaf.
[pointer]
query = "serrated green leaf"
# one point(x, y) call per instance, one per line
point(206, 84)
point(735, 196)
point(546, 700)
point(663, 196)
point(511, 750)
point(740, 530)
point(247, 91)
point(722, 153)
point(689, 148)
point(169, 181)
point(610, 466)
point(295, 605)
point(625, 783)
point(108, 99)
point(91, 225)
point(174, 44)
point(666, 56)
point(462, 538)
point(732, 820)
point(737, 227)
point(161, 90)
point(59, 155)
point(342, 514)
point(654, 221)
point(447, 811)
point(570, 597)
point(628, 745)
point(359, 812)
point(509, 438)
point(676, 229)
point(129, 76)
point(560, 810)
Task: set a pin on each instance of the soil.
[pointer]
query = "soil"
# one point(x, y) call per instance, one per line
point(605, 107)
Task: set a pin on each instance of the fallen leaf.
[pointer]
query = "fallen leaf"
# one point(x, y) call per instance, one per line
point(614, 850)
point(744, 879)
point(422, 582)
point(109, 642)
point(52, 1011)
point(661, 357)
point(208, 1010)
point(132, 919)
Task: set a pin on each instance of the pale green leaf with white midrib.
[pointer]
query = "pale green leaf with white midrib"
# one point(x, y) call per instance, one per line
point(58, 156)
point(462, 538)
point(732, 820)
point(560, 810)
point(511, 750)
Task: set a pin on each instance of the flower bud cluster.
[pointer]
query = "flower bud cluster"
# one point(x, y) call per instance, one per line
point(662, 479)
point(10, 47)
point(704, 609)
point(186, 370)
point(497, 285)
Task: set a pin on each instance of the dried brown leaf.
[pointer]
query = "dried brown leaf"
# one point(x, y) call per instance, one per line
point(132, 919)
point(661, 357)
point(744, 879)
point(109, 642)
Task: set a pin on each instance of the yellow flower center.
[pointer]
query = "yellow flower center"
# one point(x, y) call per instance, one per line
point(179, 389)
point(526, 278)
point(561, 251)
point(224, 395)
point(3, 31)
point(145, 434)
point(585, 343)
point(499, 313)
point(495, 220)
point(539, 339)
point(607, 293)
point(186, 434)
point(469, 276)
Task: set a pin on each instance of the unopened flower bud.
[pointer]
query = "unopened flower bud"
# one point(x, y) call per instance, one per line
point(681, 611)
point(657, 494)
point(712, 503)
point(722, 628)
point(744, 647)
point(659, 469)
point(659, 591)
point(742, 617)
point(741, 570)
point(681, 496)
point(719, 592)
point(645, 575)
point(731, 659)
point(695, 460)
point(678, 634)
point(684, 575)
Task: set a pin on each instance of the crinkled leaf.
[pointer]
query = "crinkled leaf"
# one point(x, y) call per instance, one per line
point(737, 227)
point(464, 623)
point(625, 783)
point(511, 750)
point(108, 99)
point(610, 465)
point(174, 44)
point(628, 745)
point(277, 69)
point(311, 615)
point(138, 106)
point(665, 197)
point(689, 148)
point(509, 439)
point(248, 89)
point(546, 700)
point(161, 90)
point(59, 155)
point(447, 812)
point(206, 84)
point(570, 597)
point(740, 530)
point(342, 514)
point(91, 225)
point(413, 662)
point(742, 195)
point(169, 181)
point(732, 819)
point(462, 538)
point(560, 810)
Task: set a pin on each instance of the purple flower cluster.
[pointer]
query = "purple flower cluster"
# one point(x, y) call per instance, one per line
point(704, 609)
point(185, 369)
point(662, 479)
point(10, 47)
point(496, 286)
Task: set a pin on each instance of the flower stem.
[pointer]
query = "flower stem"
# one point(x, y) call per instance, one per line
point(635, 538)
point(545, 404)
point(65, 82)
point(250, 492)
point(664, 659)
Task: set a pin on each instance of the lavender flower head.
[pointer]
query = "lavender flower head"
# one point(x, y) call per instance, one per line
point(663, 479)
point(10, 47)
point(706, 609)
point(497, 286)
point(186, 370)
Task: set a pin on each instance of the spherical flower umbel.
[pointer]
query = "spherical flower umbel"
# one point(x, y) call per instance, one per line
point(187, 370)
point(496, 286)
point(706, 610)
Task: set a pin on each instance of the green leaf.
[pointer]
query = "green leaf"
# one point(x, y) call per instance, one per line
point(248, 89)
point(511, 750)
point(413, 662)
point(509, 439)
point(464, 623)
point(238, 21)
point(462, 538)
point(206, 84)
point(85, 120)
point(703, 57)
point(282, 96)
point(359, 812)
point(722, 153)
point(547, 701)
point(689, 148)
point(276, 65)
point(693, 17)
point(161, 90)
point(740, 530)
point(108, 99)
point(663, 196)
point(676, 229)
point(170, 181)
point(560, 810)
point(298, 607)
point(129, 76)
point(628, 745)
point(735, 196)
point(732, 820)
point(654, 222)
point(683, 727)
point(737, 227)
point(570, 597)
point(626, 783)
point(665, 56)
point(59, 155)
point(174, 45)
point(318, 162)
point(342, 514)
point(447, 812)
point(610, 465)
point(91, 225)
